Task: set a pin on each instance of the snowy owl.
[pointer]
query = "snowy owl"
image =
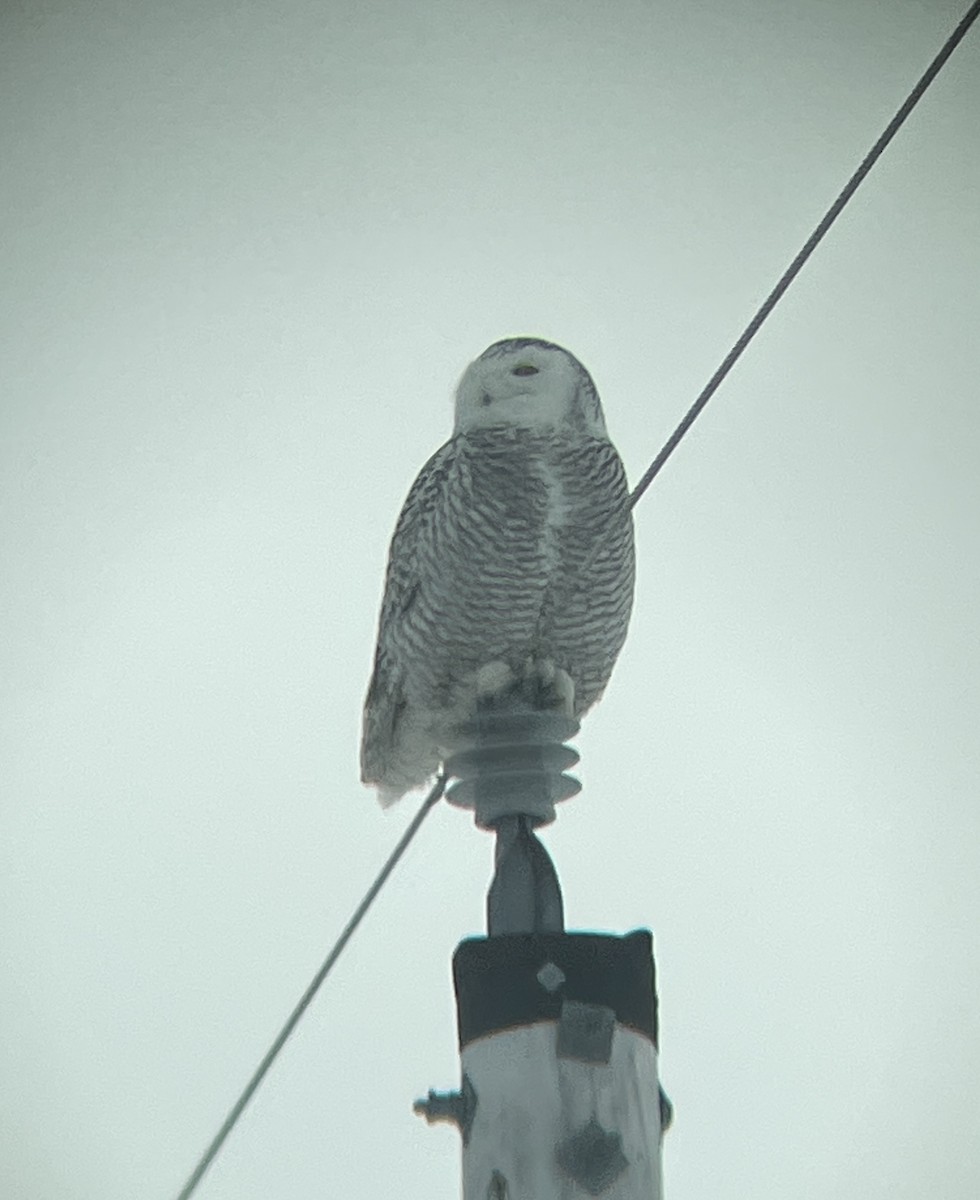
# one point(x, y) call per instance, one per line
point(511, 566)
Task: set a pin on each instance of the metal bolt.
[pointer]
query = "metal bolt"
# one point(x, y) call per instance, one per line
point(455, 1107)
point(551, 977)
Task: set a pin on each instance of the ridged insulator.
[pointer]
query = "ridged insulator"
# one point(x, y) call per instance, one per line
point(512, 762)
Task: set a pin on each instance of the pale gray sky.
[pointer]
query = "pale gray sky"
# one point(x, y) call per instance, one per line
point(248, 250)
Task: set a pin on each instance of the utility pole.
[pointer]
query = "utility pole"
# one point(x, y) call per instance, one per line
point(559, 1097)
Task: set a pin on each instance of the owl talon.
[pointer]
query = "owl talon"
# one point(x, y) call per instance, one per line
point(541, 686)
point(548, 688)
point(493, 681)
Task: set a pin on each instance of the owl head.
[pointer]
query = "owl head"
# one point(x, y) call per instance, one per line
point(529, 383)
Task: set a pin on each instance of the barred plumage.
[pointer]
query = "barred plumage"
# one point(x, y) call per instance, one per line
point(512, 562)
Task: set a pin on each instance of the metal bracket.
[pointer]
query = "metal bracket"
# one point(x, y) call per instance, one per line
point(525, 895)
point(585, 1032)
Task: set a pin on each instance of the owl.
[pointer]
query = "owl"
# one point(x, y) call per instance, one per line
point(511, 568)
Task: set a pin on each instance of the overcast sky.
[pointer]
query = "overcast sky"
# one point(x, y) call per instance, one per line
point(248, 249)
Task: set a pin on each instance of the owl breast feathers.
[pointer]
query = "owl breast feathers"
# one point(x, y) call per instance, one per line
point(511, 565)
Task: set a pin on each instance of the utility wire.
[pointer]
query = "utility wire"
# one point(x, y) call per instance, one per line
point(809, 246)
point(209, 1155)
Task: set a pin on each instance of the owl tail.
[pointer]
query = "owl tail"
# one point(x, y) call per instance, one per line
point(396, 754)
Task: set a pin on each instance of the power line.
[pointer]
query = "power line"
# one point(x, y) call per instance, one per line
point(209, 1155)
point(809, 246)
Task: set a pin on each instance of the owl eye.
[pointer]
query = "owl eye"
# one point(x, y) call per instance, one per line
point(525, 369)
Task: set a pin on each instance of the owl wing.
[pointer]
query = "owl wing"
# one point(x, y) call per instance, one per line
point(411, 560)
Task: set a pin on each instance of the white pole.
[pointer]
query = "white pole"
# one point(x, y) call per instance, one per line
point(558, 1047)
